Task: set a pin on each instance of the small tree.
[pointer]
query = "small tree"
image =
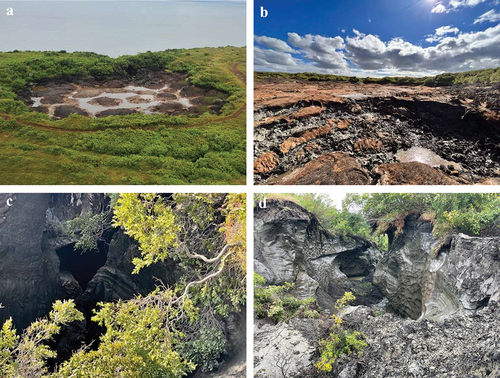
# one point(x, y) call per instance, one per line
point(339, 341)
point(25, 355)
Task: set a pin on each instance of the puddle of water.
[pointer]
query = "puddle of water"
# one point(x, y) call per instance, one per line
point(93, 109)
point(425, 156)
point(355, 96)
point(131, 97)
point(135, 88)
point(185, 102)
point(37, 101)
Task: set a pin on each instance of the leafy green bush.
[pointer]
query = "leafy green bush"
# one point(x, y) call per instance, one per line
point(8, 106)
point(26, 355)
point(277, 303)
point(90, 229)
point(469, 213)
point(207, 349)
point(339, 341)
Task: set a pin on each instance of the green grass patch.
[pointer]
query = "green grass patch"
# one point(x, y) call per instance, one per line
point(133, 149)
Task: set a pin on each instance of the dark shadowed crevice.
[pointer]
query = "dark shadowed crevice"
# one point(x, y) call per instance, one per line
point(352, 265)
point(83, 265)
point(483, 303)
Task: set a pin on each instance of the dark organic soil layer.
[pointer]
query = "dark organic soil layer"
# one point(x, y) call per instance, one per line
point(301, 122)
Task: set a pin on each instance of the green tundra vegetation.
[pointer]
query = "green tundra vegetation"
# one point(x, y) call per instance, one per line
point(129, 149)
point(171, 331)
point(481, 77)
point(474, 214)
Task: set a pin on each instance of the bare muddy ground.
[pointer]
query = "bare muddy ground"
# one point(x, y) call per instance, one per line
point(153, 92)
point(361, 134)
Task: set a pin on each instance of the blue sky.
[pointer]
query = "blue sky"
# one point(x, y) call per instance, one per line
point(377, 38)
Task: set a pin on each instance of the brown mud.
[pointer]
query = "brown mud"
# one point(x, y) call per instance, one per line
point(366, 134)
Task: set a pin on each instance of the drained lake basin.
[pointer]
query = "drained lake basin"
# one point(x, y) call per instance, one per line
point(157, 93)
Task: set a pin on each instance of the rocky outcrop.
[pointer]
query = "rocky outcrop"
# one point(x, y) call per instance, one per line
point(112, 112)
point(376, 126)
point(462, 277)
point(334, 168)
point(443, 297)
point(291, 246)
point(38, 263)
point(64, 111)
point(285, 350)
point(464, 346)
point(414, 173)
point(29, 274)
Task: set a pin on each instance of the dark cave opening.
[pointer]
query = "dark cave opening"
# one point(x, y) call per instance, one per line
point(352, 265)
point(83, 265)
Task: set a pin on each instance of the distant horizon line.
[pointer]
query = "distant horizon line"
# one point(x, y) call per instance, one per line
point(64, 51)
point(374, 77)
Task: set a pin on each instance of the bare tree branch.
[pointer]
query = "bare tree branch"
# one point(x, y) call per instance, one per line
point(215, 274)
point(215, 259)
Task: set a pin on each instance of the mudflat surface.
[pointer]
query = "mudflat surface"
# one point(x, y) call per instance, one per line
point(154, 92)
point(308, 132)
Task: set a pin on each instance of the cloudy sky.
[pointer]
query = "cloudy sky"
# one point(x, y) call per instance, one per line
point(377, 38)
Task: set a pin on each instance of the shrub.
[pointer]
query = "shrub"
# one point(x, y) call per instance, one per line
point(339, 341)
point(277, 304)
point(207, 350)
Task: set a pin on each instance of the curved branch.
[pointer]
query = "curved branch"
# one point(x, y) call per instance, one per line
point(210, 276)
point(215, 259)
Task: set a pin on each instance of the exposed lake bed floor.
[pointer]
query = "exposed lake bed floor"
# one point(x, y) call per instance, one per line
point(153, 92)
point(345, 133)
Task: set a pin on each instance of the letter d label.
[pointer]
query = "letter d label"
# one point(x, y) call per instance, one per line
point(262, 204)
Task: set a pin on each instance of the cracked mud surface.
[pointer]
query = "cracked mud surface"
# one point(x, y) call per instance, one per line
point(342, 133)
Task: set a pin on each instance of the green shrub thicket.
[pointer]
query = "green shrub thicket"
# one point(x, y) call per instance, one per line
point(483, 77)
point(339, 340)
point(471, 213)
point(278, 304)
point(132, 149)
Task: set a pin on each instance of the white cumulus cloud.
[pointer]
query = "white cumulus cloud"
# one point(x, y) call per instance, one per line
point(441, 32)
point(274, 43)
point(274, 60)
point(367, 54)
point(455, 5)
point(326, 52)
point(439, 8)
point(490, 16)
point(465, 3)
